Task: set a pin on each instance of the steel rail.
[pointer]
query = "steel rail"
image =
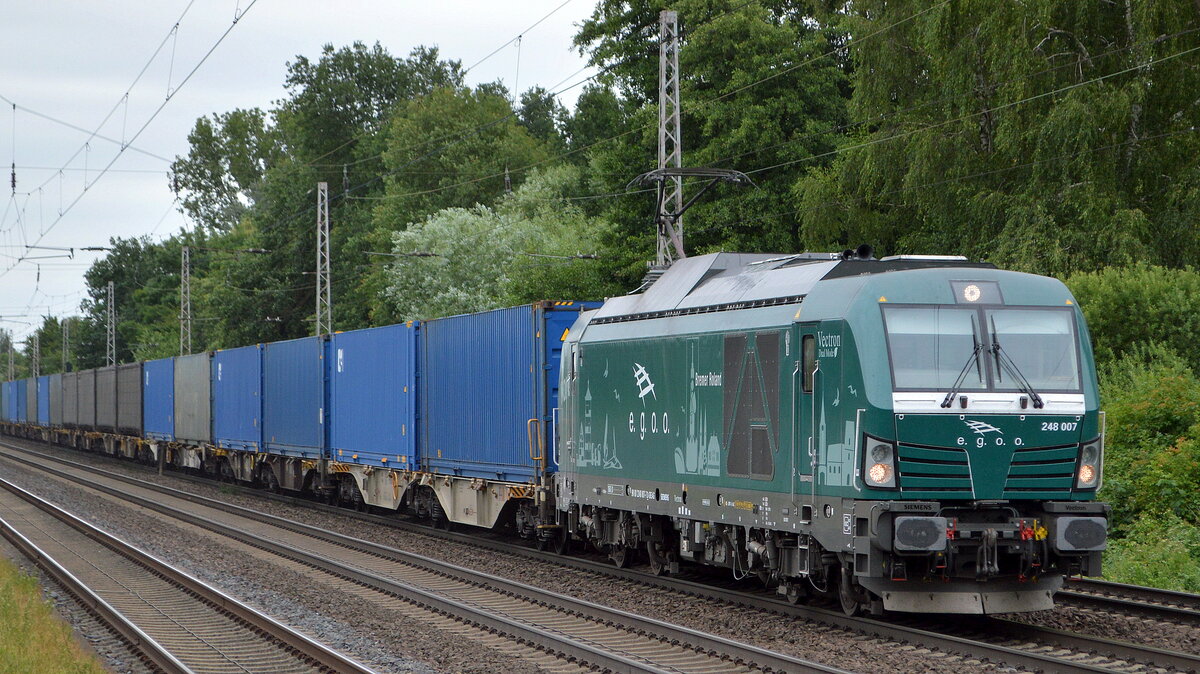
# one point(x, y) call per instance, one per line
point(142, 643)
point(736, 652)
point(1152, 601)
point(305, 647)
point(879, 628)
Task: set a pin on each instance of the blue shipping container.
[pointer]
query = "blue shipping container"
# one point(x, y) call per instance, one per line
point(501, 369)
point(31, 400)
point(372, 396)
point(237, 398)
point(293, 397)
point(158, 399)
point(43, 400)
point(21, 399)
point(6, 408)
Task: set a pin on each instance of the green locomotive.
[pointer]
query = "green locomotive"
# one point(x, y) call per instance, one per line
point(914, 433)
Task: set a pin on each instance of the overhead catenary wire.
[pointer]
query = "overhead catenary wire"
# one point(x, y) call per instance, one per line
point(123, 98)
point(688, 107)
point(842, 128)
point(141, 129)
point(755, 170)
point(836, 129)
point(535, 24)
point(954, 179)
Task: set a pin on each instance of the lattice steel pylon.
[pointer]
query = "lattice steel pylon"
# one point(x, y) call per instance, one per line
point(324, 295)
point(12, 367)
point(670, 145)
point(66, 342)
point(35, 363)
point(111, 341)
point(185, 301)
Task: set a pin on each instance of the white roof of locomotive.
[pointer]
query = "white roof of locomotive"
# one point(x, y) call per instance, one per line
point(723, 279)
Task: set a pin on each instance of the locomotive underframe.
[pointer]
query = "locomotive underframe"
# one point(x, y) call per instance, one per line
point(952, 557)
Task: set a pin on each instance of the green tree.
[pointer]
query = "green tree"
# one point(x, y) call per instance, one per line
point(228, 158)
point(349, 93)
point(1050, 137)
point(451, 148)
point(132, 265)
point(49, 335)
point(254, 175)
point(762, 87)
point(543, 117)
point(599, 114)
point(524, 249)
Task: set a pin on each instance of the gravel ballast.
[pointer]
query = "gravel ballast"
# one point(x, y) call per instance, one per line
point(399, 643)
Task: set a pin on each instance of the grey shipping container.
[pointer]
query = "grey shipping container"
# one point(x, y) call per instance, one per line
point(70, 399)
point(106, 398)
point(87, 399)
point(129, 398)
point(56, 394)
point(193, 398)
point(31, 400)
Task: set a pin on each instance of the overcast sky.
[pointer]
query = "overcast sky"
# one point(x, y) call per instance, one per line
point(73, 61)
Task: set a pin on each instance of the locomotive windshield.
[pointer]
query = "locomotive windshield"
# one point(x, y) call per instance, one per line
point(932, 346)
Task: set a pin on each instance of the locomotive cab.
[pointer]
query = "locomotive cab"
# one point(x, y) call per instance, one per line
point(977, 441)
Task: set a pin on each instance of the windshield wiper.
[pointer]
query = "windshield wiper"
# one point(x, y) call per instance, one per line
point(1003, 360)
point(962, 375)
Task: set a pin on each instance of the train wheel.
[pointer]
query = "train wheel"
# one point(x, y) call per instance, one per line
point(562, 542)
point(661, 555)
point(620, 555)
point(438, 516)
point(846, 596)
point(795, 592)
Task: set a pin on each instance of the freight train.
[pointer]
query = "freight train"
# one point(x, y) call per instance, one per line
point(913, 433)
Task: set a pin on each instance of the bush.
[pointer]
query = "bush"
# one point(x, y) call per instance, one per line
point(1129, 307)
point(1152, 448)
point(1159, 551)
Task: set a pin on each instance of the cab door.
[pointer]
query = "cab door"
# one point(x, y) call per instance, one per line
point(804, 456)
point(827, 419)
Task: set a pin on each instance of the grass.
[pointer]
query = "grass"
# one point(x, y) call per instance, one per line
point(32, 636)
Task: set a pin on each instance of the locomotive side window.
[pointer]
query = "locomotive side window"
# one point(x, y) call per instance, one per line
point(810, 362)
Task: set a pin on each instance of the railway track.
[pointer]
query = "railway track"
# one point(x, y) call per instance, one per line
point(993, 639)
point(1135, 599)
point(176, 623)
point(570, 629)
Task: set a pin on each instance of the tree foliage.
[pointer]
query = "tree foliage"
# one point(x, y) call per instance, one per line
point(1050, 137)
point(524, 249)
